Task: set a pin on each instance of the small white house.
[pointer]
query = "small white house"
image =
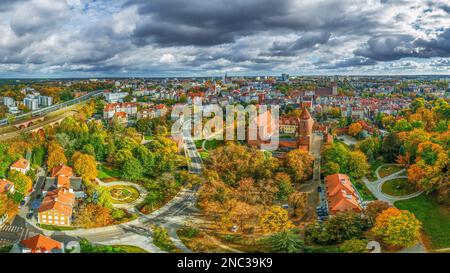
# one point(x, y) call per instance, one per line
point(22, 165)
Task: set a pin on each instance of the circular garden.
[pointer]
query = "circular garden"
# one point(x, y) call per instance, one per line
point(123, 194)
point(398, 187)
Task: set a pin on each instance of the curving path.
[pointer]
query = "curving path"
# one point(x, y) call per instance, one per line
point(375, 187)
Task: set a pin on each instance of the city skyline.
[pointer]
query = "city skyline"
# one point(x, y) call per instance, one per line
point(81, 38)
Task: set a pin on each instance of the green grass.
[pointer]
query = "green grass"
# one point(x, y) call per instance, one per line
point(6, 249)
point(363, 191)
point(105, 172)
point(212, 144)
point(388, 170)
point(398, 187)
point(435, 218)
point(373, 167)
point(55, 228)
point(17, 196)
point(198, 143)
point(131, 249)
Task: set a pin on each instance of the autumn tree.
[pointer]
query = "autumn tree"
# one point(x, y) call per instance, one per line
point(357, 165)
point(56, 155)
point(355, 129)
point(398, 228)
point(22, 183)
point(299, 164)
point(244, 214)
point(275, 219)
point(85, 166)
point(93, 215)
point(7, 205)
point(374, 208)
point(298, 202)
point(431, 170)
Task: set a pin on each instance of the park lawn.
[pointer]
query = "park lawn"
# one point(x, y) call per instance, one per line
point(212, 144)
point(388, 170)
point(435, 218)
point(131, 249)
point(6, 249)
point(55, 228)
point(105, 172)
point(363, 191)
point(398, 187)
point(198, 143)
point(373, 167)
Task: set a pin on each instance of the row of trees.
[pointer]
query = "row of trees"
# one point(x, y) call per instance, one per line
point(242, 185)
point(391, 226)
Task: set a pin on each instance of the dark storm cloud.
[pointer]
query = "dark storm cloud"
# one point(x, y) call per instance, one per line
point(213, 22)
point(388, 48)
point(395, 47)
point(202, 23)
point(306, 41)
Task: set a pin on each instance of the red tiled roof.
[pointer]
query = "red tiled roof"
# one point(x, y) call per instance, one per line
point(61, 200)
point(41, 244)
point(62, 169)
point(341, 194)
point(21, 164)
point(5, 185)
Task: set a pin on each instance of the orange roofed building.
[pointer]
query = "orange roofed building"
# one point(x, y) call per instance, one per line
point(341, 195)
point(22, 165)
point(57, 206)
point(38, 244)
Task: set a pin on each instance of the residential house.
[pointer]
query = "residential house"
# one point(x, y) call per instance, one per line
point(61, 191)
point(341, 194)
point(6, 186)
point(22, 165)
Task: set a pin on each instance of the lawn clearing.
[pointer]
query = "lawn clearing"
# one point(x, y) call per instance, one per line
point(389, 169)
point(435, 218)
point(398, 187)
point(107, 172)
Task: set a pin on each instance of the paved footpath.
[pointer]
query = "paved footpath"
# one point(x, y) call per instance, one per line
point(375, 188)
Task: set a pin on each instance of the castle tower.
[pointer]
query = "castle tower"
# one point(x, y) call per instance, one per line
point(305, 129)
point(306, 123)
point(334, 89)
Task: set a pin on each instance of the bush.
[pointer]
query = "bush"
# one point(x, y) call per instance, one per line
point(162, 240)
point(189, 232)
point(354, 246)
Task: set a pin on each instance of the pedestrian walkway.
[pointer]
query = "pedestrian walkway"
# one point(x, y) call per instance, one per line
point(375, 186)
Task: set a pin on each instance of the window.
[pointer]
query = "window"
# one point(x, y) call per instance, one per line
point(44, 221)
point(44, 216)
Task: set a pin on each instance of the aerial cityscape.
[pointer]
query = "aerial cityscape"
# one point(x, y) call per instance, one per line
point(224, 127)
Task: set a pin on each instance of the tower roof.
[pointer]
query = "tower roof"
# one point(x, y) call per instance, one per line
point(305, 114)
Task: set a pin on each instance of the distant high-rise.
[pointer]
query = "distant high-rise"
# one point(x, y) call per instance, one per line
point(285, 77)
point(224, 80)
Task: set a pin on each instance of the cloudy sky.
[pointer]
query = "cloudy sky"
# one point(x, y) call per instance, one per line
point(94, 38)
